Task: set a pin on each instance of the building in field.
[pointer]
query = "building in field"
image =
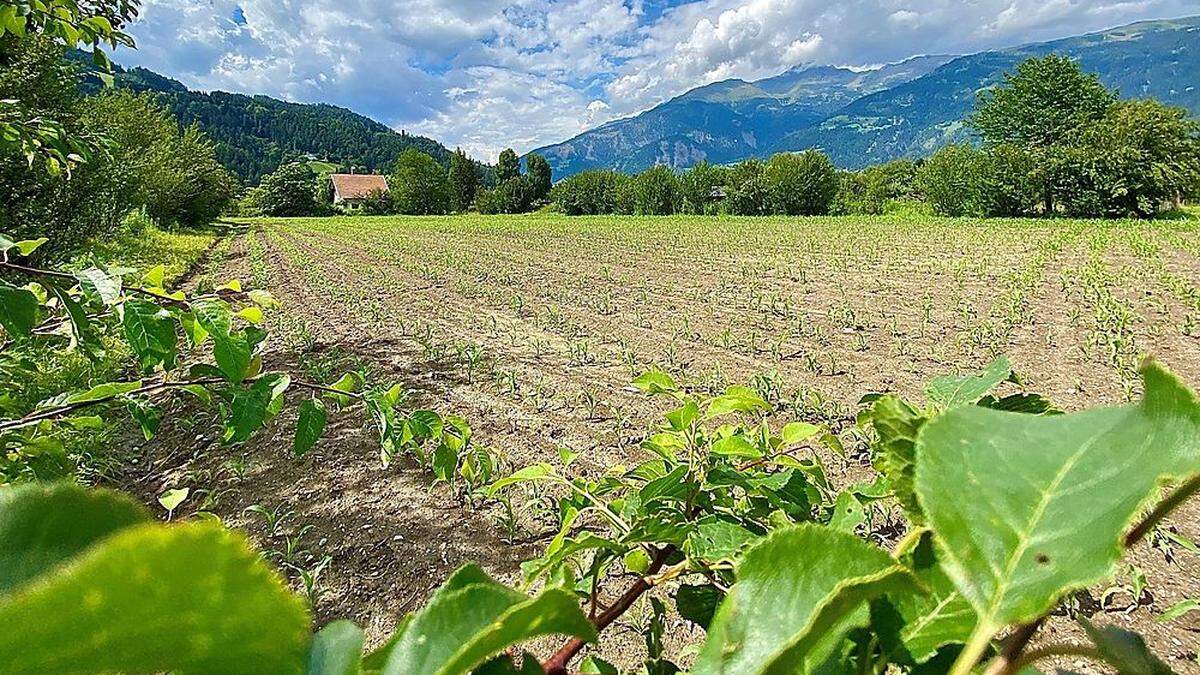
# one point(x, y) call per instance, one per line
point(352, 189)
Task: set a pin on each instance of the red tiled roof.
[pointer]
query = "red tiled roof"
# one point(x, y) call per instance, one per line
point(357, 185)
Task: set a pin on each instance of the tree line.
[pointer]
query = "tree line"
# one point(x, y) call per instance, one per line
point(1053, 141)
point(146, 167)
point(418, 185)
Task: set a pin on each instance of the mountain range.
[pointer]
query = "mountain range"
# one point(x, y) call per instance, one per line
point(863, 117)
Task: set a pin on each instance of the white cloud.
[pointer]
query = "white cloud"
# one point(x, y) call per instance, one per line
point(486, 74)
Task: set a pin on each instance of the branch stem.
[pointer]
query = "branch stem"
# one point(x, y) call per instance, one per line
point(557, 664)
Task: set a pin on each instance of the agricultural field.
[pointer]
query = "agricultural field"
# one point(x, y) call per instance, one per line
point(531, 328)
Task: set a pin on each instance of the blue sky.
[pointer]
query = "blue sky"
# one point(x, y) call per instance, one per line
point(488, 74)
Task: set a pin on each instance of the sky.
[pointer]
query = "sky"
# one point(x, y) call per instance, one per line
point(488, 74)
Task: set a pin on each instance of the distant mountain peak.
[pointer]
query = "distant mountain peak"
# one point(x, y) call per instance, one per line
point(863, 116)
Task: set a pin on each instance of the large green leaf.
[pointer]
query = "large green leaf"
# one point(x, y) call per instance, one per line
point(104, 391)
point(955, 390)
point(44, 525)
point(1025, 508)
point(897, 425)
point(797, 594)
point(336, 650)
point(231, 350)
point(1125, 650)
point(18, 310)
point(150, 331)
point(472, 618)
point(151, 598)
point(105, 286)
point(309, 426)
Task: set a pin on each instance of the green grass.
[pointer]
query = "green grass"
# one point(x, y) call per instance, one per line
point(324, 167)
point(178, 251)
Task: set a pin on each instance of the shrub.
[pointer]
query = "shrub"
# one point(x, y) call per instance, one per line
point(1008, 184)
point(655, 192)
point(377, 203)
point(289, 191)
point(748, 193)
point(587, 193)
point(950, 181)
point(696, 187)
point(872, 190)
point(803, 184)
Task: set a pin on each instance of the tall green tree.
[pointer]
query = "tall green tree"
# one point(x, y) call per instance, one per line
point(1141, 156)
point(1043, 107)
point(290, 191)
point(173, 172)
point(1046, 102)
point(419, 185)
point(508, 167)
point(463, 181)
point(540, 176)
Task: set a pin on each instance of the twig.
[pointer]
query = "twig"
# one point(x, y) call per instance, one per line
point(62, 410)
point(557, 664)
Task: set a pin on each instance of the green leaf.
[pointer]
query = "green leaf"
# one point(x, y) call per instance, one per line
point(349, 383)
point(655, 382)
point(18, 310)
point(1125, 650)
point(897, 425)
point(594, 665)
point(25, 246)
point(714, 540)
point(798, 593)
point(529, 473)
point(101, 392)
point(736, 399)
point(106, 287)
point(147, 416)
point(683, 417)
point(336, 650)
point(83, 333)
point(171, 499)
point(1179, 609)
point(42, 526)
point(1049, 497)
point(798, 432)
point(189, 598)
point(698, 603)
point(232, 351)
point(251, 407)
point(150, 331)
point(736, 446)
point(309, 426)
point(848, 513)
point(932, 621)
point(953, 391)
point(472, 617)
